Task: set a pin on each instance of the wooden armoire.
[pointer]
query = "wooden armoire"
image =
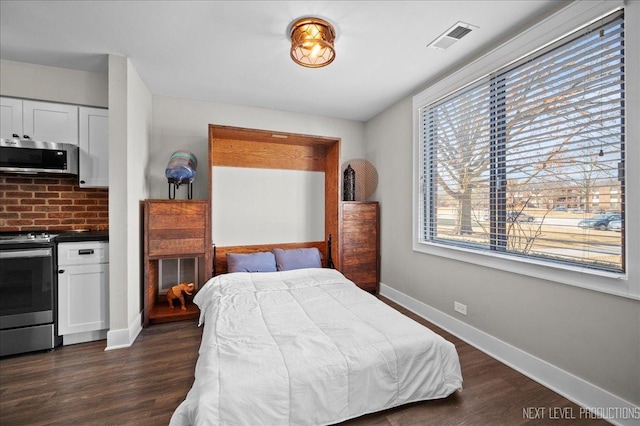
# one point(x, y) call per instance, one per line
point(360, 244)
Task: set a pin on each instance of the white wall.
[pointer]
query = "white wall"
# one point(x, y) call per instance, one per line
point(130, 116)
point(117, 204)
point(139, 108)
point(589, 334)
point(31, 81)
point(181, 123)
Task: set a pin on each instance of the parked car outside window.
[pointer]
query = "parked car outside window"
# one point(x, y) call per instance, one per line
point(615, 225)
point(520, 217)
point(600, 221)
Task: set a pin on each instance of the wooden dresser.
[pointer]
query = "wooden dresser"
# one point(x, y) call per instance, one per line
point(172, 229)
point(360, 244)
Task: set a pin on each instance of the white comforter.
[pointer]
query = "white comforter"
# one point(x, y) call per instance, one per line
point(308, 347)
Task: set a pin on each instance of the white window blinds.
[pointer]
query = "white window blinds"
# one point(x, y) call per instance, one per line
point(529, 161)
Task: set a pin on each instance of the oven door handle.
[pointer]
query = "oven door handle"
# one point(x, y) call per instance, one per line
point(25, 253)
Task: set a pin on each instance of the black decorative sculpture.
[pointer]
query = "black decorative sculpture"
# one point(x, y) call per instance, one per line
point(349, 184)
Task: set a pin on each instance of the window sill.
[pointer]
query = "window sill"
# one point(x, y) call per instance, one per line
point(604, 282)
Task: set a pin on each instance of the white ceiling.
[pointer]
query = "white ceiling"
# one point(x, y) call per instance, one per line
point(237, 52)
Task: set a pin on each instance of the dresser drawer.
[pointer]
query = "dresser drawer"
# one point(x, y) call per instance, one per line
point(83, 253)
point(175, 228)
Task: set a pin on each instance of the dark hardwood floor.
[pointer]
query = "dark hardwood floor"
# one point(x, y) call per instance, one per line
point(142, 385)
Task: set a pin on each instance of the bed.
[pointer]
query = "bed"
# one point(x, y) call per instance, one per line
point(306, 346)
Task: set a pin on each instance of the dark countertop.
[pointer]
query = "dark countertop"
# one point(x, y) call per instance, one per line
point(71, 236)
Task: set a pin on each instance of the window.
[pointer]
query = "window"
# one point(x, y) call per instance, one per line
point(515, 163)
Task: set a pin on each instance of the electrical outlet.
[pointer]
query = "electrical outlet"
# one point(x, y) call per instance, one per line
point(459, 307)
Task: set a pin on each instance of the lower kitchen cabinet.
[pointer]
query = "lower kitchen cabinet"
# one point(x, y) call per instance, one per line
point(83, 291)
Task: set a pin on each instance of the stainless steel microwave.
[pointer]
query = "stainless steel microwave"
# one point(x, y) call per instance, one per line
point(29, 156)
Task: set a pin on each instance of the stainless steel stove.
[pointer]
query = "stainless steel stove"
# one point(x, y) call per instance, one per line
point(41, 237)
point(28, 284)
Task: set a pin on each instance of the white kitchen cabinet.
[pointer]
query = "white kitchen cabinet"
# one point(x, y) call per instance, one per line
point(10, 117)
point(50, 122)
point(40, 121)
point(94, 147)
point(83, 291)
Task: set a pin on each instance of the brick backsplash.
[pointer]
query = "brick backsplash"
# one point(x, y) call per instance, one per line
point(51, 203)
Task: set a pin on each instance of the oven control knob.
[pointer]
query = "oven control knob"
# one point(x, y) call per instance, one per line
point(61, 271)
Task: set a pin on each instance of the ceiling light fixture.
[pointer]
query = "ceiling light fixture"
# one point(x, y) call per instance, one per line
point(312, 42)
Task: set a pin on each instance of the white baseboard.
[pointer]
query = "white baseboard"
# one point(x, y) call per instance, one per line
point(124, 338)
point(581, 392)
point(87, 336)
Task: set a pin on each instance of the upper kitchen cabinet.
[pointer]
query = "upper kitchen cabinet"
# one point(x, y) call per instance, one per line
point(10, 117)
point(49, 122)
point(40, 121)
point(94, 147)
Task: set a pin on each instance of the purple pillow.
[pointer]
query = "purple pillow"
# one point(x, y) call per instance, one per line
point(297, 258)
point(251, 262)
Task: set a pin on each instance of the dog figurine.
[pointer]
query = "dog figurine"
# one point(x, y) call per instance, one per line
point(176, 291)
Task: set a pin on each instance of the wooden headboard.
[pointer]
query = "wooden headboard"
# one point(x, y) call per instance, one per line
point(220, 253)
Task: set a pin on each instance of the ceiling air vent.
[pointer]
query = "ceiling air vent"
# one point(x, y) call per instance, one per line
point(453, 34)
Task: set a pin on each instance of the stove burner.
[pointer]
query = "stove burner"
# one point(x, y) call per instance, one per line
point(42, 235)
